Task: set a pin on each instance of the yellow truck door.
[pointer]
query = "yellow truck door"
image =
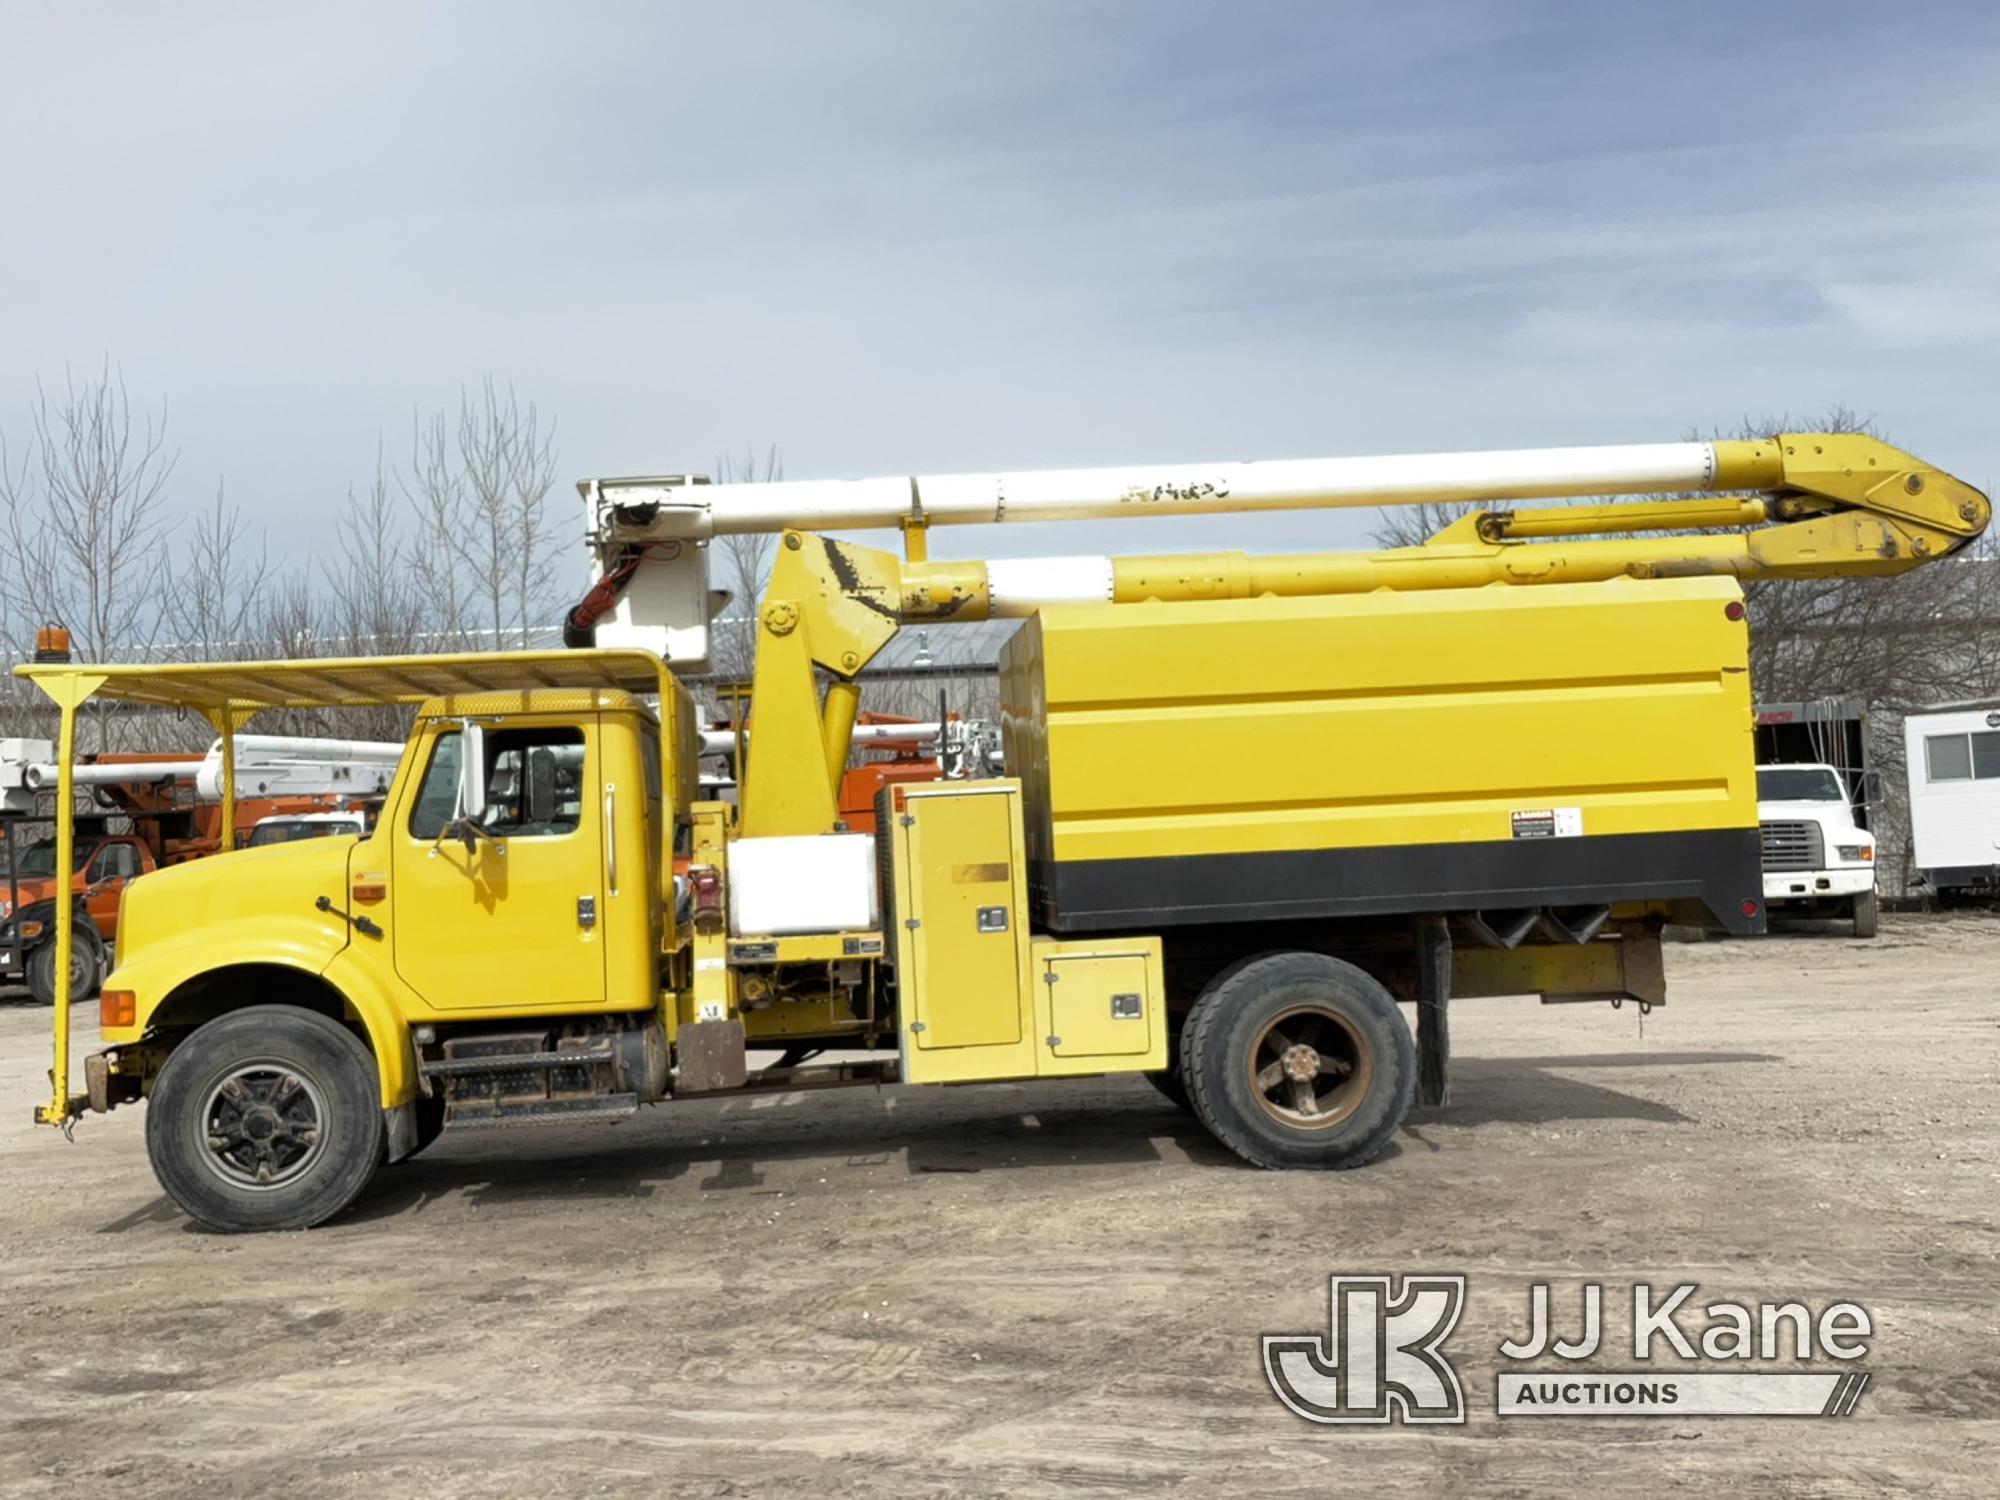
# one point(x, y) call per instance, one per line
point(514, 920)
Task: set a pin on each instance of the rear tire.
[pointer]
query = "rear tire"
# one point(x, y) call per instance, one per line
point(1867, 914)
point(1299, 1060)
point(267, 1118)
point(86, 961)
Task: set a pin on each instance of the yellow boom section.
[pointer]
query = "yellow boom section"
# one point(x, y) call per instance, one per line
point(1826, 504)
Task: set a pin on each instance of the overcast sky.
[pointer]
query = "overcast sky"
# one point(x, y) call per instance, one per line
point(934, 236)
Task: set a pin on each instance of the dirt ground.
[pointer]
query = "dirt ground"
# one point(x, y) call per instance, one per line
point(1049, 1289)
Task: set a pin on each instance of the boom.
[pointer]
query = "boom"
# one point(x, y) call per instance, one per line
point(1794, 506)
point(1797, 505)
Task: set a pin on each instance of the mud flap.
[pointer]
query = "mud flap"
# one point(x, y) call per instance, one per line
point(399, 1131)
point(710, 1055)
point(1433, 1025)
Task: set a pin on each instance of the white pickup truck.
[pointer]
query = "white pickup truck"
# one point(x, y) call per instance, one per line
point(1817, 860)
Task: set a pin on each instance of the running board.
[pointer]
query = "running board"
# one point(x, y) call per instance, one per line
point(468, 1115)
point(527, 1078)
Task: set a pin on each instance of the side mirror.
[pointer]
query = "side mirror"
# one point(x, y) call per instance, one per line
point(1871, 787)
point(471, 773)
point(541, 789)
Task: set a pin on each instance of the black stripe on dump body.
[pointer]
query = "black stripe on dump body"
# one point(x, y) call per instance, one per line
point(1718, 867)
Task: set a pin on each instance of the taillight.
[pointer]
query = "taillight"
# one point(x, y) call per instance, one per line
point(1733, 609)
point(705, 881)
point(1749, 906)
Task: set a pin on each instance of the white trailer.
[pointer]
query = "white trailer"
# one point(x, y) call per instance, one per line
point(1953, 752)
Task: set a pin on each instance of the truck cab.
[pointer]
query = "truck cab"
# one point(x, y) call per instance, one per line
point(1818, 860)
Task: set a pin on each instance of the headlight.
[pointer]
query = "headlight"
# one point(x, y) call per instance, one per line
point(1856, 853)
point(6, 909)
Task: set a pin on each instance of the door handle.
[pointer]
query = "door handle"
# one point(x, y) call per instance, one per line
point(611, 837)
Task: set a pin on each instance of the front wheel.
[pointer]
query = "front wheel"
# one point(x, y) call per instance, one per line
point(1299, 1060)
point(267, 1118)
point(86, 957)
point(1867, 913)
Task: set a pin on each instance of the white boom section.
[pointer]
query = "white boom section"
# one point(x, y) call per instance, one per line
point(266, 765)
point(723, 741)
point(666, 604)
point(631, 511)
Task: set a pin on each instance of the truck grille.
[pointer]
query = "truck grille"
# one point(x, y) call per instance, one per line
point(1793, 846)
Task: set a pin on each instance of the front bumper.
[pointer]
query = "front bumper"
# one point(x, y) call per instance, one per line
point(1786, 886)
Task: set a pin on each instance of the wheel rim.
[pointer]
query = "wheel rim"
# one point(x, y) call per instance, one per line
point(262, 1125)
point(1310, 1068)
point(80, 973)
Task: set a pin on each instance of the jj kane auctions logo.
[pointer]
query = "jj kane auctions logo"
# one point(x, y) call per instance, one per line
point(1382, 1358)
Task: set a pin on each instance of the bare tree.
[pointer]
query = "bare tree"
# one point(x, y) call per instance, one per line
point(434, 489)
point(84, 522)
point(507, 462)
point(744, 564)
point(376, 581)
point(84, 544)
point(219, 580)
point(482, 552)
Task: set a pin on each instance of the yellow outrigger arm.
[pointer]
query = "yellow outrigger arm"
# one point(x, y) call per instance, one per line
point(228, 694)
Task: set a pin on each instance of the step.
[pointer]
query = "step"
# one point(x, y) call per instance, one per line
point(601, 1108)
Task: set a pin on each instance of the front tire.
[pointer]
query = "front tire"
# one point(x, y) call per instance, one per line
point(86, 960)
point(267, 1118)
point(1297, 1060)
point(1867, 914)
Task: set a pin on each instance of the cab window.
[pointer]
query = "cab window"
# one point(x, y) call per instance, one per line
point(437, 797)
point(114, 862)
point(534, 783)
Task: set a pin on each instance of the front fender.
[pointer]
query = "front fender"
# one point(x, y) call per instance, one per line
point(164, 968)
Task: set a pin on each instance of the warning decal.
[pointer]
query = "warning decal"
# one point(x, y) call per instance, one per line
point(1547, 823)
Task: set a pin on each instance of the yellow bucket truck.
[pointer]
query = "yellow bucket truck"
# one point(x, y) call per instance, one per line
point(1496, 763)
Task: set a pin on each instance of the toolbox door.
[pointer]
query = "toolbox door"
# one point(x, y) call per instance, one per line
point(965, 919)
point(1100, 1005)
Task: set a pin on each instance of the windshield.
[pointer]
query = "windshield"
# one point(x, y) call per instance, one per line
point(297, 828)
point(38, 860)
point(1798, 784)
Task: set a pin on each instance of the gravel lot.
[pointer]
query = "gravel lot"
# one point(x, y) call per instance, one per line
point(1049, 1289)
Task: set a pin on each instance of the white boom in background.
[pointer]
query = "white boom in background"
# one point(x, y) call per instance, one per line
point(723, 741)
point(267, 765)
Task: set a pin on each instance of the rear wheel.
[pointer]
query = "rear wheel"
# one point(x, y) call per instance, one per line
point(268, 1118)
point(1299, 1060)
point(86, 957)
point(1867, 912)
